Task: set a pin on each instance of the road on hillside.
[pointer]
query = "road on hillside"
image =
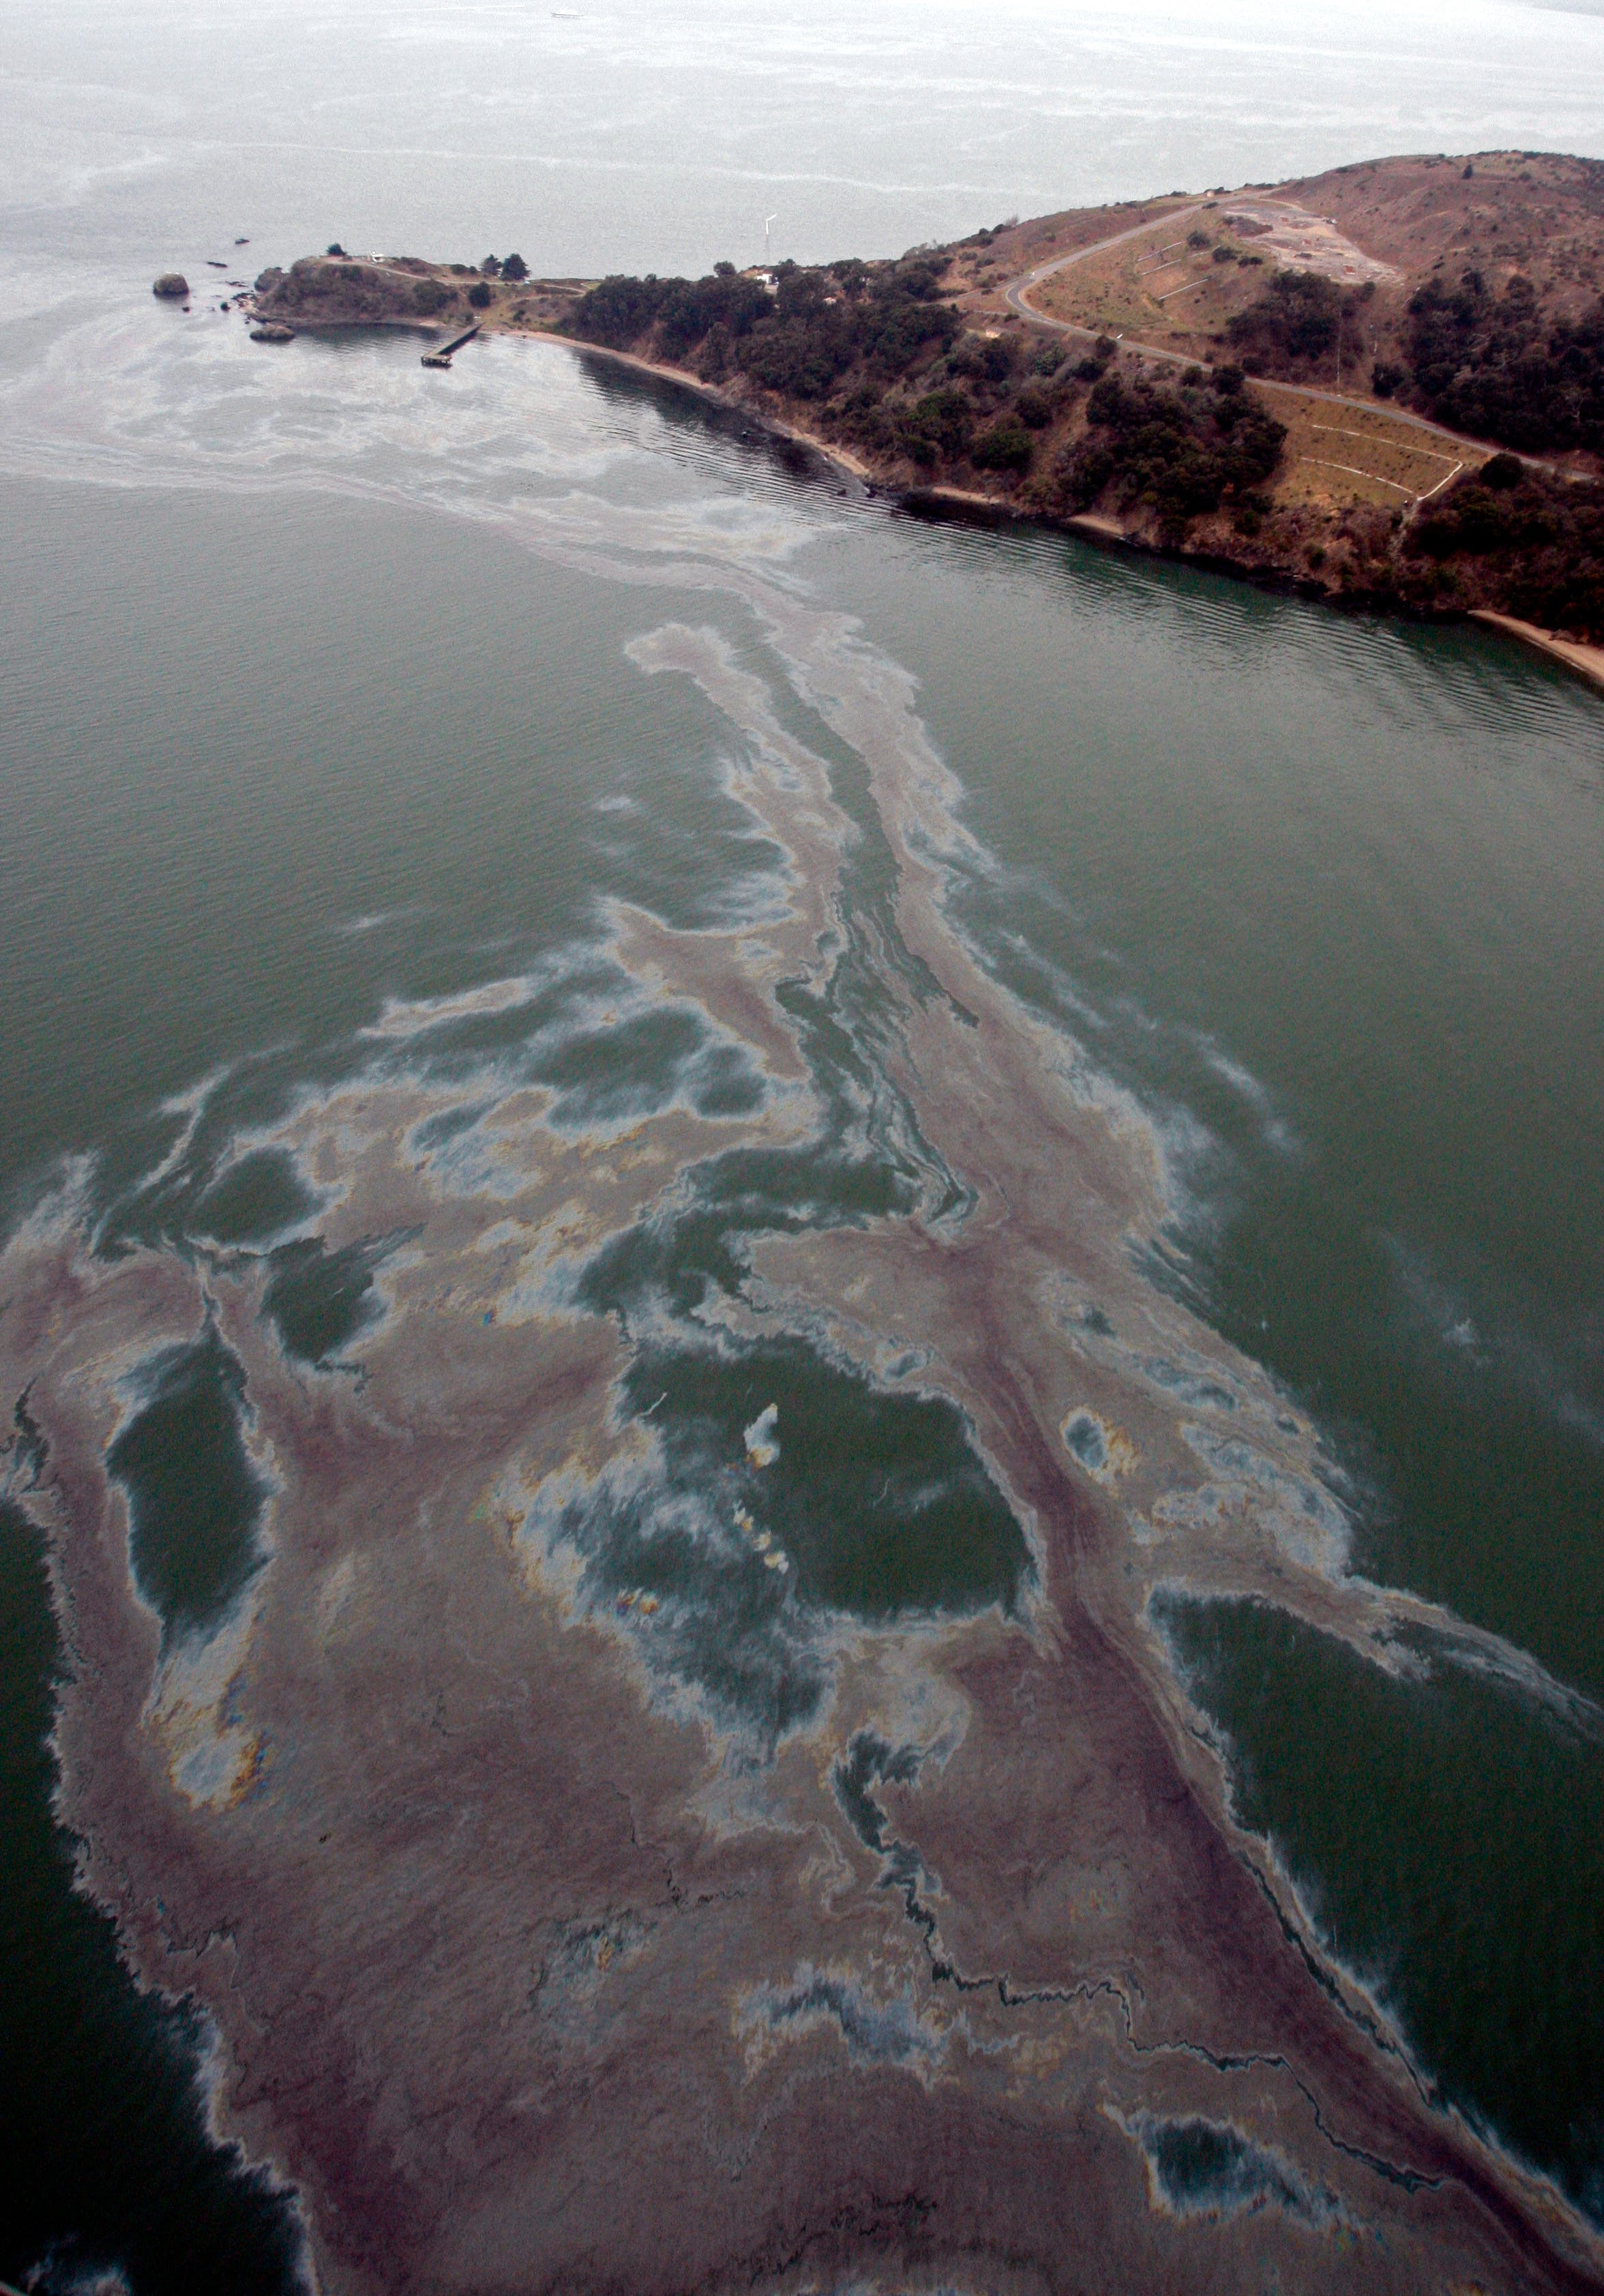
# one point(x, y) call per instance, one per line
point(1015, 293)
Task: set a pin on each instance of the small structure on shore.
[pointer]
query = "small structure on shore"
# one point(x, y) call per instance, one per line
point(171, 286)
point(442, 357)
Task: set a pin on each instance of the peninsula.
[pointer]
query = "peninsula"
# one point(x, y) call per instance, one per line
point(1384, 385)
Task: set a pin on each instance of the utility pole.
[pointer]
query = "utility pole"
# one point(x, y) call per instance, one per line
point(767, 221)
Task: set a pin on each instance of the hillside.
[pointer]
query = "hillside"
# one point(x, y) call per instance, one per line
point(1308, 381)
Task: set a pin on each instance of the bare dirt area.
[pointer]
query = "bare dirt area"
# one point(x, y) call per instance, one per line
point(1539, 213)
point(1180, 290)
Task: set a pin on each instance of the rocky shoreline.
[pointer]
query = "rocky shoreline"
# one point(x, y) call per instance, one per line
point(1413, 561)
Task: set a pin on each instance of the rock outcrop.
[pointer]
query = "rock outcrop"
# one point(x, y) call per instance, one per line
point(342, 291)
point(172, 285)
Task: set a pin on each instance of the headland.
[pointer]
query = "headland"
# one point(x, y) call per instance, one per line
point(1383, 386)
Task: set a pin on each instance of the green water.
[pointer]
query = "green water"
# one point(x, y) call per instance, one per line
point(98, 2115)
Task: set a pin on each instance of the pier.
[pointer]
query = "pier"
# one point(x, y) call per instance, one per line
point(442, 357)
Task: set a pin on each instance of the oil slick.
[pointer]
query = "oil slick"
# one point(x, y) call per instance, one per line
point(711, 1465)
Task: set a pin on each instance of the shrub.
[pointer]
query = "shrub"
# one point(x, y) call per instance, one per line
point(1294, 323)
point(1005, 446)
point(1386, 377)
point(946, 417)
point(1224, 254)
point(1197, 238)
point(1522, 539)
point(480, 295)
point(618, 311)
point(984, 361)
point(429, 295)
point(1033, 407)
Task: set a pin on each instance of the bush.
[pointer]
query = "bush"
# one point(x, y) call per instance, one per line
point(1005, 446)
point(1196, 239)
point(1294, 324)
point(428, 295)
point(985, 361)
point(1521, 539)
point(946, 417)
point(618, 311)
point(1033, 407)
point(1386, 377)
point(480, 295)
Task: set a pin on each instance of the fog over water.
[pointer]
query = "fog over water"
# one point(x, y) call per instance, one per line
point(346, 710)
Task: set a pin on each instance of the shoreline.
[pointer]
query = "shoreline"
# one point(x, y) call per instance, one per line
point(712, 391)
point(1584, 661)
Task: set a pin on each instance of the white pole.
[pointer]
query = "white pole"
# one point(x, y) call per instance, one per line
point(767, 221)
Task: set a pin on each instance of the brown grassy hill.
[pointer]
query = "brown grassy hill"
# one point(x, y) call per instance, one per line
point(1538, 214)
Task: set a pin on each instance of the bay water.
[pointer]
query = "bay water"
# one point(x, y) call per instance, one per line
point(315, 695)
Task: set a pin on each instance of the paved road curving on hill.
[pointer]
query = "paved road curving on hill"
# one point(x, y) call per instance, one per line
point(1015, 293)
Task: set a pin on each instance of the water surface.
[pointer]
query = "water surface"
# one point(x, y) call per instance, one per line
point(318, 706)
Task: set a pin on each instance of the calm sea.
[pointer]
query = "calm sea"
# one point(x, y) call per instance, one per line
point(307, 700)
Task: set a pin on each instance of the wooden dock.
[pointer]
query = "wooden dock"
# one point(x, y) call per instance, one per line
point(442, 357)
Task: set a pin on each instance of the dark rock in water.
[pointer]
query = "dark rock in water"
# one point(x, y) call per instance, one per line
point(171, 284)
point(241, 242)
point(271, 335)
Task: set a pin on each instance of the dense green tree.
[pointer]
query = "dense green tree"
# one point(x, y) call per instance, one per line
point(1178, 452)
point(1495, 366)
point(1005, 446)
point(1523, 539)
point(1297, 323)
